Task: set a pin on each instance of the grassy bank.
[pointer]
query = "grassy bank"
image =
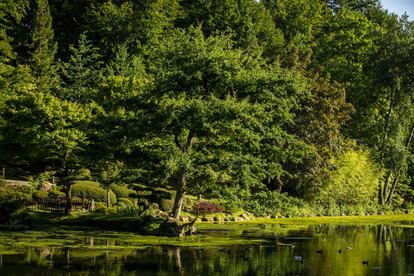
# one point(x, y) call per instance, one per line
point(147, 225)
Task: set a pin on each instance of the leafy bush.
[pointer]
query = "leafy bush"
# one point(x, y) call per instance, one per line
point(38, 195)
point(83, 174)
point(207, 207)
point(91, 190)
point(134, 211)
point(125, 201)
point(56, 194)
point(37, 181)
point(354, 182)
point(11, 201)
point(274, 203)
point(166, 205)
point(122, 191)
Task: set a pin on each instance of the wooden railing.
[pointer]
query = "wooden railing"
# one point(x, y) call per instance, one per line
point(57, 204)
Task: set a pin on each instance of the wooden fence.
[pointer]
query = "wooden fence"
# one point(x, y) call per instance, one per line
point(57, 204)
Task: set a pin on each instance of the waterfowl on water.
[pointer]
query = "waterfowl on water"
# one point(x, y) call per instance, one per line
point(319, 251)
point(365, 262)
point(298, 258)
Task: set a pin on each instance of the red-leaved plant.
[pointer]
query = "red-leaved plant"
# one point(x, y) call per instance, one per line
point(206, 207)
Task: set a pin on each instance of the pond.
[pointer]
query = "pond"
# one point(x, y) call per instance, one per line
point(231, 249)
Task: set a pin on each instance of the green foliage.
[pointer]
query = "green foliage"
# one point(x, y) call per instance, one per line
point(37, 181)
point(125, 202)
point(166, 205)
point(91, 190)
point(82, 174)
point(11, 200)
point(274, 203)
point(80, 74)
point(43, 47)
point(354, 181)
point(247, 102)
point(122, 191)
point(56, 194)
point(39, 195)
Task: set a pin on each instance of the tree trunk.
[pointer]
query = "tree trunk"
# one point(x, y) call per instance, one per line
point(68, 208)
point(179, 195)
point(182, 178)
point(387, 124)
point(397, 175)
point(384, 189)
point(108, 198)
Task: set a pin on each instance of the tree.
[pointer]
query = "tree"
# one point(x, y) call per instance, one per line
point(42, 132)
point(80, 75)
point(218, 115)
point(43, 47)
point(249, 21)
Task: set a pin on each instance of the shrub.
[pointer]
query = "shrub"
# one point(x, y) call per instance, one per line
point(40, 195)
point(56, 194)
point(91, 190)
point(122, 191)
point(206, 207)
point(166, 205)
point(133, 211)
point(125, 201)
point(37, 181)
point(83, 174)
point(11, 201)
point(354, 182)
point(271, 203)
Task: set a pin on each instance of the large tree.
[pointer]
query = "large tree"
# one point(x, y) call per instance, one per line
point(219, 115)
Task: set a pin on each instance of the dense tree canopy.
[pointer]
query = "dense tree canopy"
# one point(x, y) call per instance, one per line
point(225, 99)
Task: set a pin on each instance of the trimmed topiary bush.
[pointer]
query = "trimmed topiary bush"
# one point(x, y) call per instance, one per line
point(41, 194)
point(122, 191)
point(166, 205)
point(126, 202)
point(11, 201)
point(56, 194)
point(91, 190)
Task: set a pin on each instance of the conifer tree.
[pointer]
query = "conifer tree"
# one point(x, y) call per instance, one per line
point(43, 47)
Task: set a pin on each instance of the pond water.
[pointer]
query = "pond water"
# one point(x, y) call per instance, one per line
point(217, 250)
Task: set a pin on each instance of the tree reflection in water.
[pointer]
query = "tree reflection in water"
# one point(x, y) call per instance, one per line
point(345, 250)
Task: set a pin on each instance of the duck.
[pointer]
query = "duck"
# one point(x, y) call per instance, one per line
point(365, 262)
point(319, 251)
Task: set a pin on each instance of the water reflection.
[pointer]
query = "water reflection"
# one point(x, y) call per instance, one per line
point(315, 250)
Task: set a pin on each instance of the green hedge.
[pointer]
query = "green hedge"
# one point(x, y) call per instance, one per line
point(41, 194)
point(122, 191)
point(11, 200)
point(125, 201)
point(56, 194)
point(91, 190)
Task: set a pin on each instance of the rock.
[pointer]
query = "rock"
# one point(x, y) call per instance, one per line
point(46, 186)
point(245, 216)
